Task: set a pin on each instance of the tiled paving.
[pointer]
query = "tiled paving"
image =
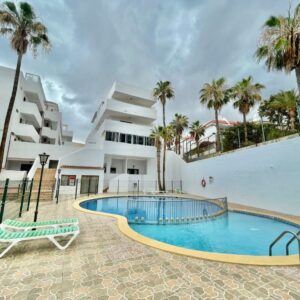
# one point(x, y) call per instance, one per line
point(104, 264)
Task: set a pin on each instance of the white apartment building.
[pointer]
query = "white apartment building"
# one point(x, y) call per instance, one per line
point(36, 124)
point(118, 149)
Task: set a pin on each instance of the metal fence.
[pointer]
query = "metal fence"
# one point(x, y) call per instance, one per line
point(140, 186)
point(16, 196)
point(161, 210)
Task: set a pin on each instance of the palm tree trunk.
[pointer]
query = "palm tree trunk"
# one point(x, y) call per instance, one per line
point(164, 167)
point(245, 128)
point(297, 71)
point(179, 145)
point(158, 169)
point(292, 114)
point(10, 108)
point(218, 138)
point(164, 114)
point(197, 145)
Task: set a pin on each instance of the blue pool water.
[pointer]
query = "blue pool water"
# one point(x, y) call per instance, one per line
point(234, 233)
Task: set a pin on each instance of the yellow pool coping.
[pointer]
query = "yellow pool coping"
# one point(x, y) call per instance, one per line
point(123, 226)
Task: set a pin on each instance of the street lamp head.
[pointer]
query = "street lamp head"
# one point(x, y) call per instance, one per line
point(43, 158)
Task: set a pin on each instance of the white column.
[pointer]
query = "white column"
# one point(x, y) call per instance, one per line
point(125, 165)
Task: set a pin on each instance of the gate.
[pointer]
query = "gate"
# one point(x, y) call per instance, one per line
point(89, 184)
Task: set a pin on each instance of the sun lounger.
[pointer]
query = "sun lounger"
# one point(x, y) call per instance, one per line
point(21, 225)
point(13, 238)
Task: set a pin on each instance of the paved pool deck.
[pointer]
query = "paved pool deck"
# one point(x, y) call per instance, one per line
point(104, 264)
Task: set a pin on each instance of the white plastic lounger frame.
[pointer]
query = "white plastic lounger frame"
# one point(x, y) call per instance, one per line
point(56, 233)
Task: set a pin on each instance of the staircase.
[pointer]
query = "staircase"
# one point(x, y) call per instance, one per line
point(48, 185)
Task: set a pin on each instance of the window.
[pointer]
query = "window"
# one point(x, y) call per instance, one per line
point(68, 180)
point(113, 170)
point(129, 137)
point(135, 138)
point(141, 140)
point(109, 136)
point(122, 137)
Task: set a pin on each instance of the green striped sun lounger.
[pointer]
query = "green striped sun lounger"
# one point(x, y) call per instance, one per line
point(21, 225)
point(12, 238)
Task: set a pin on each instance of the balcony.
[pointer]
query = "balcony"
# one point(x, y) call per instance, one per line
point(26, 133)
point(119, 108)
point(117, 126)
point(52, 115)
point(31, 112)
point(132, 94)
point(131, 150)
point(48, 132)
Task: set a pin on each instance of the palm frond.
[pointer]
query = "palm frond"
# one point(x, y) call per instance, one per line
point(27, 12)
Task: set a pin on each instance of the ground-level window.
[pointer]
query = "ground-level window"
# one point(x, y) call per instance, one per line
point(113, 170)
point(68, 180)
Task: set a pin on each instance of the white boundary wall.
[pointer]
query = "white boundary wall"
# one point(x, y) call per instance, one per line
point(267, 176)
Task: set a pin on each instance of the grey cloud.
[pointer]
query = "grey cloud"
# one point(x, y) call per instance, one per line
point(141, 42)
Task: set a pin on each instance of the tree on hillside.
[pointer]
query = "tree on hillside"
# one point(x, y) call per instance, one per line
point(246, 94)
point(25, 32)
point(179, 123)
point(196, 132)
point(214, 95)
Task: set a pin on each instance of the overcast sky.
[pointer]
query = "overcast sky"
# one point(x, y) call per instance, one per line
point(140, 42)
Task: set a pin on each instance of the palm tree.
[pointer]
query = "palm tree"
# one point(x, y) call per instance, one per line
point(215, 95)
point(156, 134)
point(246, 94)
point(287, 101)
point(167, 134)
point(280, 43)
point(196, 132)
point(179, 123)
point(162, 92)
point(24, 31)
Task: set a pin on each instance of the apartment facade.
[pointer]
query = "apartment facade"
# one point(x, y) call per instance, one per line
point(118, 150)
point(36, 124)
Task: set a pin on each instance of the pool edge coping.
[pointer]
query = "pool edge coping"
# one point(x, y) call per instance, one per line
point(291, 260)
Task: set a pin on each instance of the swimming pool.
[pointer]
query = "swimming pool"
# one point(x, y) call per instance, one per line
point(229, 233)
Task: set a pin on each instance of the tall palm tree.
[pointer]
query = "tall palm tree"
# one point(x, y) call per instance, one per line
point(179, 123)
point(163, 92)
point(156, 134)
point(246, 94)
point(167, 134)
point(280, 43)
point(25, 32)
point(214, 95)
point(287, 101)
point(196, 132)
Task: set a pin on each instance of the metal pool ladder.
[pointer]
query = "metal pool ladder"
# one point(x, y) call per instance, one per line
point(295, 236)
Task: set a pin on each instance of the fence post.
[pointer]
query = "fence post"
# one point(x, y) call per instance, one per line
point(76, 188)
point(29, 196)
point(57, 190)
point(172, 187)
point(3, 200)
point(89, 186)
point(118, 186)
point(181, 186)
point(24, 184)
point(138, 189)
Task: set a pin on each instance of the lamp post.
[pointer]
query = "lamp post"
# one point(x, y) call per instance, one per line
point(43, 160)
point(58, 185)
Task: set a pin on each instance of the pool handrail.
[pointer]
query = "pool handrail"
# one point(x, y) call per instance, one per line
point(295, 236)
point(289, 242)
